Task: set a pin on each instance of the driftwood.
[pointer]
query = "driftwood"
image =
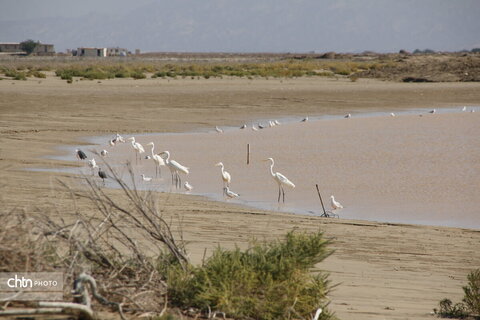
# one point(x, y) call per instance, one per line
point(81, 308)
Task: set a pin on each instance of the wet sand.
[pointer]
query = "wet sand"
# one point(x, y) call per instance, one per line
point(385, 271)
point(415, 168)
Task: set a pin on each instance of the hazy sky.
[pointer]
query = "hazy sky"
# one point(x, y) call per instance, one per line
point(245, 25)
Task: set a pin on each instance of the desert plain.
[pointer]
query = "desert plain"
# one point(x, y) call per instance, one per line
point(383, 270)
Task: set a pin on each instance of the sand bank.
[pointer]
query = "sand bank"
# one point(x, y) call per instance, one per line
point(385, 271)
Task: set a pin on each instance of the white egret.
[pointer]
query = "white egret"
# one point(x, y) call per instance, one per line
point(392, 114)
point(174, 167)
point(280, 179)
point(119, 138)
point(464, 108)
point(218, 129)
point(137, 147)
point(146, 179)
point(187, 186)
point(271, 123)
point(276, 122)
point(253, 128)
point(335, 204)
point(225, 175)
point(157, 159)
point(80, 154)
point(104, 153)
point(229, 193)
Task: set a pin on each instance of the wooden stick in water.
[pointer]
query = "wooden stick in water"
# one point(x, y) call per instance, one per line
point(321, 201)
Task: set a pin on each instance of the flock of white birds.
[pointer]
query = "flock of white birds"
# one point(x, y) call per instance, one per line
point(176, 169)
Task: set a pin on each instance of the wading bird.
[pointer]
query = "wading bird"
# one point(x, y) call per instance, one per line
point(119, 138)
point(335, 204)
point(276, 122)
point(102, 175)
point(464, 108)
point(218, 129)
point(103, 153)
point(80, 154)
point(157, 159)
point(92, 164)
point(392, 114)
point(187, 186)
point(243, 127)
point(146, 179)
point(253, 128)
point(260, 126)
point(229, 193)
point(348, 116)
point(280, 179)
point(138, 148)
point(225, 175)
point(174, 167)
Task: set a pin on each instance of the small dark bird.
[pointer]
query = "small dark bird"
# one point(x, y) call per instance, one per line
point(305, 119)
point(80, 154)
point(432, 111)
point(348, 116)
point(102, 175)
point(243, 127)
point(260, 126)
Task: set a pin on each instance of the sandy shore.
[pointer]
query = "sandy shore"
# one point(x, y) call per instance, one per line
point(385, 271)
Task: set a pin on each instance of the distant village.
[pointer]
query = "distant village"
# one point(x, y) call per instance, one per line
point(43, 49)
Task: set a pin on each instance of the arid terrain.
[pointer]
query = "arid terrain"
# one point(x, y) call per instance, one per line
point(383, 270)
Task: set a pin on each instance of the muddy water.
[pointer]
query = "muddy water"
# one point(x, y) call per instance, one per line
point(408, 168)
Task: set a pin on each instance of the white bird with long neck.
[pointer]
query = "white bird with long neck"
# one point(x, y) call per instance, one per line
point(280, 179)
point(335, 204)
point(137, 147)
point(225, 175)
point(174, 167)
point(157, 159)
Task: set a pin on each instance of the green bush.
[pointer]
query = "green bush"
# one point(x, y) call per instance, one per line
point(138, 75)
point(450, 310)
point(20, 76)
point(266, 281)
point(472, 293)
point(470, 305)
